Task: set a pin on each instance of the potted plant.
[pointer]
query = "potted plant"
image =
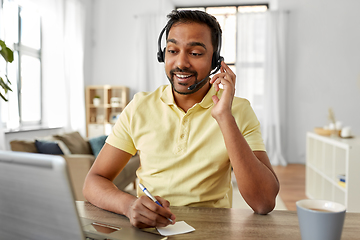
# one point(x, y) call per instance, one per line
point(8, 55)
point(96, 100)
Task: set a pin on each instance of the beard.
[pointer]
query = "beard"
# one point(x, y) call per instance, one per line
point(194, 73)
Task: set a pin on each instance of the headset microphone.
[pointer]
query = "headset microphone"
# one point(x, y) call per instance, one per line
point(192, 87)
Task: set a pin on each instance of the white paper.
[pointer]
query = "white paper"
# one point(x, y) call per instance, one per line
point(177, 228)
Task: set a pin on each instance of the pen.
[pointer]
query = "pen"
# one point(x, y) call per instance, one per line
point(143, 188)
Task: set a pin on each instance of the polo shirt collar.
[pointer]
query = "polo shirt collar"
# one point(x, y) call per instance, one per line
point(168, 98)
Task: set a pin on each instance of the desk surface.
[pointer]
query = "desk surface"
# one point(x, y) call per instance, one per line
point(220, 223)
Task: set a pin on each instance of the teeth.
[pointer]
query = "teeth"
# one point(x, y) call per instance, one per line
point(182, 76)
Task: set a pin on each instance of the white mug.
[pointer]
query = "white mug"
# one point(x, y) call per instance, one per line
point(345, 132)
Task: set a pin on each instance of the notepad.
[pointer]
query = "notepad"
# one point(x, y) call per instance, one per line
point(177, 228)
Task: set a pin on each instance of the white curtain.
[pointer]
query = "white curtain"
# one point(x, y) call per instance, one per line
point(275, 82)
point(260, 69)
point(250, 59)
point(74, 65)
point(151, 73)
point(63, 70)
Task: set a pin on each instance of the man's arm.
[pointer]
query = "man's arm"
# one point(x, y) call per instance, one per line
point(255, 177)
point(100, 191)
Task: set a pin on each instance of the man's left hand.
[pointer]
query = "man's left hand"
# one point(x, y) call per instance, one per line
point(227, 79)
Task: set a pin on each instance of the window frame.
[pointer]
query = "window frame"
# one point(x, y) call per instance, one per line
point(22, 50)
point(230, 64)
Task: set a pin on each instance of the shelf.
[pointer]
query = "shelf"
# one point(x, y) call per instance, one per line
point(332, 179)
point(328, 157)
point(98, 117)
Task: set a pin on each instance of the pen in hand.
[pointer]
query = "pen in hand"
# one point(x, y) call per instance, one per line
point(143, 188)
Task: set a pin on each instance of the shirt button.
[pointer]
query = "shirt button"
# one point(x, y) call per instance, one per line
point(182, 136)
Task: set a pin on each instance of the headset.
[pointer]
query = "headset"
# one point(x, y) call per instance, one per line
point(215, 62)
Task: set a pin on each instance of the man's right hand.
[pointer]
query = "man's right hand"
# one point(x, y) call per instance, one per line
point(144, 213)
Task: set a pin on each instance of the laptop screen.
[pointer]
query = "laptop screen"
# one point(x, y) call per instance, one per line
point(36, 199)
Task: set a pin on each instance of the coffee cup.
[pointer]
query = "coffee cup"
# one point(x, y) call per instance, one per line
point(320, 219)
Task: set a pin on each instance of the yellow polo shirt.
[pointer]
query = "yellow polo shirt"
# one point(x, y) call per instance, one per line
point(183, 155)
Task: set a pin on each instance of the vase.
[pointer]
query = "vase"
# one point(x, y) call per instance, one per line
point(96, 101)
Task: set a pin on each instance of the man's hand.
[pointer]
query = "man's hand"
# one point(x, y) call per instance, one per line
point(144, 213)
point(227, 78)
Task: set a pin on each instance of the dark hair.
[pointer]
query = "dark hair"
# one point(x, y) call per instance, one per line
point(188, 16)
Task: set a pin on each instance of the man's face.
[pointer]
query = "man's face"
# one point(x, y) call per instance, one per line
point(188, 55)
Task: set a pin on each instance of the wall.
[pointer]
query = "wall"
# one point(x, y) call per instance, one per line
point(324, 68)
point(111, 38)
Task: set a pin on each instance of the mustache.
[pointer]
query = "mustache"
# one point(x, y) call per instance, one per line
point(187, 70)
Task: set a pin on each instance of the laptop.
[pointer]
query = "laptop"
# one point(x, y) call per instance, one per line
point(37, 202)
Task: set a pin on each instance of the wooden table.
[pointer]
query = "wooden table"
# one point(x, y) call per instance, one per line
point(220, 223)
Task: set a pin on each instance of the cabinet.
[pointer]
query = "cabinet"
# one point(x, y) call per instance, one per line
point(326, 159)
point(102, 113)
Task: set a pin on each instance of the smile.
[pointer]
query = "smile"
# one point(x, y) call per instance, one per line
point(183, 76)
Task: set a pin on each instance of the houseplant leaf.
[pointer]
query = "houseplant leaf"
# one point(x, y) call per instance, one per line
point(6, 52)
point(8, 55)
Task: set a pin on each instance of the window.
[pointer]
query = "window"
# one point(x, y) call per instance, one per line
point(21, 30)
point(243, 48)
point(227, 18)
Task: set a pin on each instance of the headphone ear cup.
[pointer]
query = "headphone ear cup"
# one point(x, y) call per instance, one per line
point(221, 59)
point(215, 61)
point(161, 55)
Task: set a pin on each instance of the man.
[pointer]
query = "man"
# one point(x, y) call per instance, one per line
point(188, 135)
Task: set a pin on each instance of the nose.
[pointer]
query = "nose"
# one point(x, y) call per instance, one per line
point(182, 60)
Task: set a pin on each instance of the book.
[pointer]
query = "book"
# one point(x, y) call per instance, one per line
point(342, 178)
